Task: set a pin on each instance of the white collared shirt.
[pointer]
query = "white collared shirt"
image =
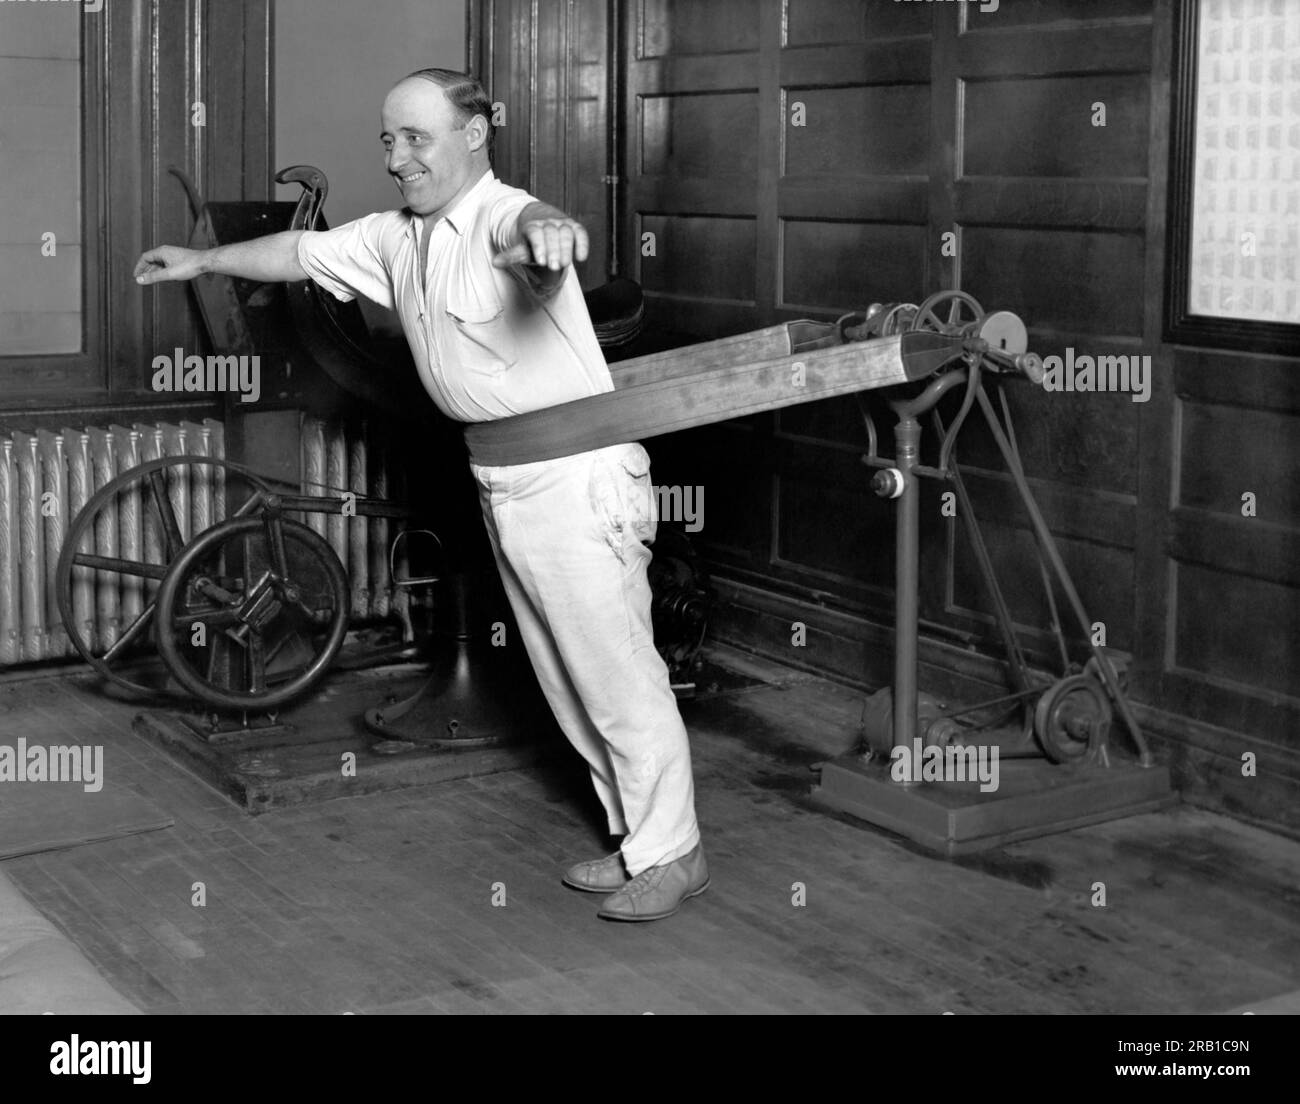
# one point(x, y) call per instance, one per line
point(483, 347)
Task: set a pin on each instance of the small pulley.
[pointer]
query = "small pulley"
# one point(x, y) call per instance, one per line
point(950, 312)
point(1072, 720)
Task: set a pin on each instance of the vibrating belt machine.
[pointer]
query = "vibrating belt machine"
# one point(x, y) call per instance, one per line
point(1052, 732)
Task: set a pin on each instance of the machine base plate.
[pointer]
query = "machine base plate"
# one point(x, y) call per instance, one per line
point(1033, 798)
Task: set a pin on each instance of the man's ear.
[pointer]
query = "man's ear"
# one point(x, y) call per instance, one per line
point(476, 133)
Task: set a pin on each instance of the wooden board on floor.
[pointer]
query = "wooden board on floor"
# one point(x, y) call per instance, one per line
point(48, 816)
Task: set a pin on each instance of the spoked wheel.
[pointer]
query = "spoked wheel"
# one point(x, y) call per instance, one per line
point(252, 613)
point(949, 312)
point(117, 550)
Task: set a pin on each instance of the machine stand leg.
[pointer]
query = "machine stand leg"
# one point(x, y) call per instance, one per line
point(907, 440)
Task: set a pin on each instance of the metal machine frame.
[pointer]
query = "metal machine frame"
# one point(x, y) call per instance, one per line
point(1065, 722)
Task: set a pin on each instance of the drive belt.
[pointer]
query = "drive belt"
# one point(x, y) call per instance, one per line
point(772, 368)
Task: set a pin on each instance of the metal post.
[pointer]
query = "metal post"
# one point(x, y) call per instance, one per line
point(907, 539)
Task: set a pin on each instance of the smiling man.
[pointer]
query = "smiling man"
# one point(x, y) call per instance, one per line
point(481, 275)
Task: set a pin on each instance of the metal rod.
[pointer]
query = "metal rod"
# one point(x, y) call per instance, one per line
point(919, 469)
point(1054, 613)
point(322, 504)
point(254, 502)
point(132, 631)
point(966, 508)
point(1006, 698)
point(213, 619)
point(256, 658)
point(968, 400)
point(870, 423)
point(907, 438)
point(275, 544)
point(122, 567)
point(1057, 631)
point(910, 408)
point(163, 503)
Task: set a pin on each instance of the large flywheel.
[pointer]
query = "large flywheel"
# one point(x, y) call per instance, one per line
point(192, 557)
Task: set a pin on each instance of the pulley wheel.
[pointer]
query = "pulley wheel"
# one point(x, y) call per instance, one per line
point(1005, 332)
point(1072, 719)
point(950, 312)
point(1118, 665)
point(252, 613)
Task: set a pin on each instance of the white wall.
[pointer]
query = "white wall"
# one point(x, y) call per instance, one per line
point(334, 62)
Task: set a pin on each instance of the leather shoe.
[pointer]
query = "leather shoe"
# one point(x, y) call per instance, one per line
point(598, 876)
point(659, 891)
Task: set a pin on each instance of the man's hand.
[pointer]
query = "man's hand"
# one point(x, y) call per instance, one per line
point(168, 262)
point(553, 242)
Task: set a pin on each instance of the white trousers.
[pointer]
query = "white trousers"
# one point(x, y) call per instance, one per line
point(567, 535)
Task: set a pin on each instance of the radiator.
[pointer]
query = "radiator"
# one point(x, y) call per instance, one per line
point(338, 458)
point(46, 478)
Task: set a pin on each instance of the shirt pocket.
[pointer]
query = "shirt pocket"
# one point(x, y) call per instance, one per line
point(481, 337)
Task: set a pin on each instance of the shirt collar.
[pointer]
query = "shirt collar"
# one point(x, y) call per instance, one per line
point(458, 218)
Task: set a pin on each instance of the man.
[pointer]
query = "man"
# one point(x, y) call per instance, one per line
point(481, 276)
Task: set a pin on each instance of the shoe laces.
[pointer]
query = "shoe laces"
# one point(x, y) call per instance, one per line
point(644, 882)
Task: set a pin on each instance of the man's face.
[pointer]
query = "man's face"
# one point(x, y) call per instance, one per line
point(428, 157)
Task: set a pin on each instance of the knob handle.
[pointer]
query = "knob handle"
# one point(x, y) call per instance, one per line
point(888, 483)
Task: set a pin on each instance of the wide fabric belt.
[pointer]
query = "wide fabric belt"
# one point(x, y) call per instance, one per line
point(784, 365)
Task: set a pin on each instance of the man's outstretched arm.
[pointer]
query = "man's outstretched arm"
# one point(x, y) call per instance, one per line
point(269, 259)
point(547, 242)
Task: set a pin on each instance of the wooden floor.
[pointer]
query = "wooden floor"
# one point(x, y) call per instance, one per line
point(384, 903)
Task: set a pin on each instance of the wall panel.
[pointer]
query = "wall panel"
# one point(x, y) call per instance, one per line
point(1061, 115)
point(846, 264)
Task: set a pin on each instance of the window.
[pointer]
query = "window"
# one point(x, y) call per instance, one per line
point(49, 320)
point(1235, 181)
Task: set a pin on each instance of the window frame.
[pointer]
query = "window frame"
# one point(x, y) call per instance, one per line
point(1182, 326)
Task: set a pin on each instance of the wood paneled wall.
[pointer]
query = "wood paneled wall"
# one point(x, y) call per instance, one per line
point(920, 120)
point(548, 65)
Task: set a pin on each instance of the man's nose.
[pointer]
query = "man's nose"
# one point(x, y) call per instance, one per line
point(396, 160)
